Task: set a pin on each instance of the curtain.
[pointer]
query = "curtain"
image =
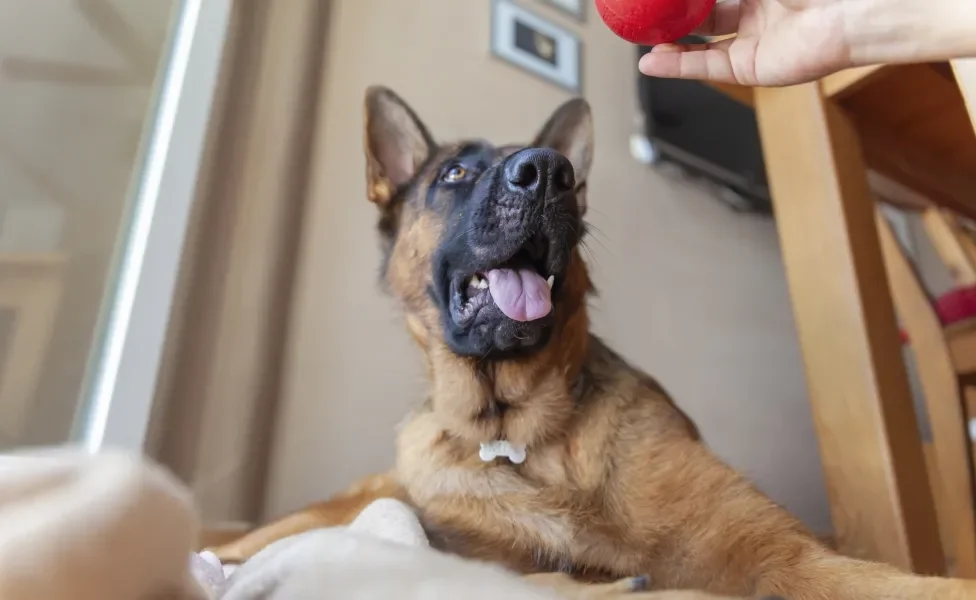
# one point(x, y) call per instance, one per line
point(216, 401)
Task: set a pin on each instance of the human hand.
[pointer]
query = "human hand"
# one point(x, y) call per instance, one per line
point(785, 42)
point(777, 42)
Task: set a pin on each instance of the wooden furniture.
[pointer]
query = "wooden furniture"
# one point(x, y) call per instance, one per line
point(955, 243)
point(942, 374)
point(906, 130)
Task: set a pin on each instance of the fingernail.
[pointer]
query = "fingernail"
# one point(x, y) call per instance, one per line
point(643, 65)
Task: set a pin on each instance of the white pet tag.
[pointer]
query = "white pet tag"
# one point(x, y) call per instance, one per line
point(492, 450)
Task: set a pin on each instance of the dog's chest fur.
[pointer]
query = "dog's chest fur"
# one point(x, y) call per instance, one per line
point(548, 514)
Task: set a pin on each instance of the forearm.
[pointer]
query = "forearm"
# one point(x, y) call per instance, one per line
point(902, 31)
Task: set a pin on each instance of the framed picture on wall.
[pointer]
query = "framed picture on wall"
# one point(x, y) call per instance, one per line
point(538, 46)
point(573, 7)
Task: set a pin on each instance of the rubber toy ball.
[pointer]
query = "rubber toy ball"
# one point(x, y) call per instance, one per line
point(653, 22)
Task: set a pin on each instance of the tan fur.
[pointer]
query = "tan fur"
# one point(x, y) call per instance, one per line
point(615, 484)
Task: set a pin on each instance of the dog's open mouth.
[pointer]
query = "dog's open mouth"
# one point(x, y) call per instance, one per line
point(520, 287)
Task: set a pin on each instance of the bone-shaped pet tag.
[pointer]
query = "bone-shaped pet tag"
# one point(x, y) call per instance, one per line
point(515, 453)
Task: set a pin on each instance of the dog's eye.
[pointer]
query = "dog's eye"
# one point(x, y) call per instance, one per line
point(454, 174)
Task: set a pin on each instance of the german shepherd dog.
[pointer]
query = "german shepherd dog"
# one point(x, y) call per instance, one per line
point(538, 447)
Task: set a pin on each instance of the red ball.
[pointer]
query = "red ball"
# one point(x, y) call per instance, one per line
point(652, 22)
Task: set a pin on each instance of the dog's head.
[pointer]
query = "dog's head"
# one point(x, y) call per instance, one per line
point(480, 241)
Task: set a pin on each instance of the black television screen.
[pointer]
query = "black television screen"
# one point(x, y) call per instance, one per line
point(705, 131)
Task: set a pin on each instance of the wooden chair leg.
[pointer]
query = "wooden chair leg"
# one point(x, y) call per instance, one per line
point(945, 529)
point(943, 401)
point(965, 72)
point(881, 502)
point(955, 248)
point(969, 401)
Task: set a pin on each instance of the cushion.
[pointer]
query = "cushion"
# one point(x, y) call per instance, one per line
point(953, 307)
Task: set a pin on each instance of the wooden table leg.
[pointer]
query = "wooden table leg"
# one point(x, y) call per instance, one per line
point(881, 503)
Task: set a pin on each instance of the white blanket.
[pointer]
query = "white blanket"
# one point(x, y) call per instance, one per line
point(78, 527)
point(382, 554)
point(113, 527)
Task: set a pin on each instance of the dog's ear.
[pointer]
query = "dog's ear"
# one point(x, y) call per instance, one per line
point(396, 143)
point(569, 131)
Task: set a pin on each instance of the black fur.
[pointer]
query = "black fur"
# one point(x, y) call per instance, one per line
point(489, 222)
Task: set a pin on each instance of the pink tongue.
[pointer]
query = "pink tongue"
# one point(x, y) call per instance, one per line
point(522, 294)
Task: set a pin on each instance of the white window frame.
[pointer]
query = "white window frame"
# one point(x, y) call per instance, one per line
point(118, 395)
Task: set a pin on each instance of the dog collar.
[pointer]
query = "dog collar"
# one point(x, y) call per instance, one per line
point(515, 453)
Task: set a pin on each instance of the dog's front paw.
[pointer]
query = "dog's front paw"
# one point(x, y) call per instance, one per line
point(629, 588)
point(569, 588)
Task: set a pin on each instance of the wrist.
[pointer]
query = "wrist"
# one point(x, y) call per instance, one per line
point(903, 31)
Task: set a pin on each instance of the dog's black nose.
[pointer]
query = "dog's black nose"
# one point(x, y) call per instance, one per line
point(541, 172)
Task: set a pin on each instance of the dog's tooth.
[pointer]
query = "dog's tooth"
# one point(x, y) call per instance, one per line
point(478, 282)
point(550, 281)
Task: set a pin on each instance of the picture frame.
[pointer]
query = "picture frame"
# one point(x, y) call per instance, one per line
point(537, 45)
point(575, 8)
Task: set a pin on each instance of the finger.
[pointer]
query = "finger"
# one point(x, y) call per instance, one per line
point(723, 20)
point(710, 63)
point(680, 47)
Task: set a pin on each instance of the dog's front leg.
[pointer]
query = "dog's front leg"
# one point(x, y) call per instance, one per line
point(341, 509)
point(696, 523)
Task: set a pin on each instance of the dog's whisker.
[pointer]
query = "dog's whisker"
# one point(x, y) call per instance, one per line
point(595, 210)
point(596, 230)
point(463, 233)
point(593, 258)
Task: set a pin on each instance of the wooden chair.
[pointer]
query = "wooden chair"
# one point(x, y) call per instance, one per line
point(954, 239)
point(943, 341)
point(827, 144)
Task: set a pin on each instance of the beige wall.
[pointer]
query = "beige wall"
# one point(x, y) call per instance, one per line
point(689, 291)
